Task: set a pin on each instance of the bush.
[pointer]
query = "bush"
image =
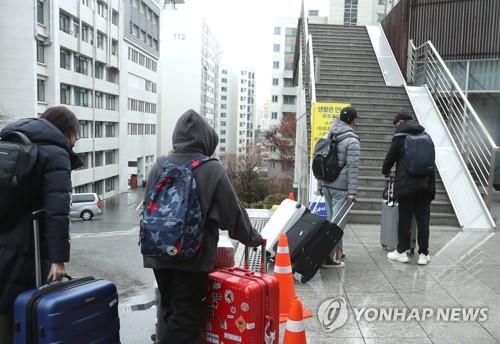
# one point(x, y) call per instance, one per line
point(273, 199)
point(257, 205)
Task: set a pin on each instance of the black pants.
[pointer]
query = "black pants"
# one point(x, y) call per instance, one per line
point(418, 205)
point(183, 305)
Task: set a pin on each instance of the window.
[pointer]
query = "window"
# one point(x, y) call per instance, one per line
point(110, 130)
point(40, 52)
point(98, 132)
point(99, 70)
point(289, 66)
point(65, 59)
point(76, 29)
point(98, 100)
point(276, 48)
point(223, 97)
point(41, 90)
point(276, 64)
point(86, 33)
point(40, 12)
point(85, 129)
point(86, 2)
point(135, 31)
point(100, 40)
point(114, 17)
point(112, 75)
point(155, 19)
point(65, 94)
point(135, 3)
point(274, 115)
point(81, 64)
point(277, 30)
point(313, 13)
point(276, 81)
point(143, 8)
point(143, 36)
point(288, 82)
point(291, 31)
point(110, 157)
point(81, 97)
point(114, 47)
point(155, 44)
point(111, 102)
point(110, 184)
point(288, 99)
point(223, 124)
point(148, 14)
point(102, 9)
point(149, 40)
point(64, 23)
point(289, 48)
point(99, 159)
point(275, 99)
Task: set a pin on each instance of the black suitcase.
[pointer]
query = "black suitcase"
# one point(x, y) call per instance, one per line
point(301, 233)
point(313, 253)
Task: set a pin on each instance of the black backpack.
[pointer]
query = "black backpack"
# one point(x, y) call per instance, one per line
point(325, 163)
point(17, 159)
point(419, 154)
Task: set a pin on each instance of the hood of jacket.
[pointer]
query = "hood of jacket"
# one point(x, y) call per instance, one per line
point(193, 135)
point(41, 131)
point(340, 128)
point(410, 127)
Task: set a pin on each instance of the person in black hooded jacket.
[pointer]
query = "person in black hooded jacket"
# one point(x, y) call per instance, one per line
point(414, 193)
point(55, 134)
point(184, 285)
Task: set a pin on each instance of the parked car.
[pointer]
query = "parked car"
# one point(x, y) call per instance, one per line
point(85, 206)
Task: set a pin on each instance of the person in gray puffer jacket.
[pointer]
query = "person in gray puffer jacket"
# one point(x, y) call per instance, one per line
point(345, 187)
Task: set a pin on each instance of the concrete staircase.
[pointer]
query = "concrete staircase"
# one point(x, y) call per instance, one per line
point(349, 72)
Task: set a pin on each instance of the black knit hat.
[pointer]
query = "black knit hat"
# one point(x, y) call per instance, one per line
point(348, 115)
point(402, 116)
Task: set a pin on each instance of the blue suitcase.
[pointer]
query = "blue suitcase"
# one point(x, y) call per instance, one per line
point(77, 311)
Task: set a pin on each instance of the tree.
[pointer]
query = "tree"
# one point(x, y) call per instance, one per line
point(247, 175)
point(282, 141)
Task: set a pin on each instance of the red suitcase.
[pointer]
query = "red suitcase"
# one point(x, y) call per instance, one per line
point(243, 306)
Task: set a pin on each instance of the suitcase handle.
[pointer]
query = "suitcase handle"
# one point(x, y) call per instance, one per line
point(349, 207)
point(263, 257)
point(36, 241)
point(316, 201)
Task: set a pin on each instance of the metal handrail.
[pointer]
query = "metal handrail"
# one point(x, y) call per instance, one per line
point(477, 147)
point(310, 59)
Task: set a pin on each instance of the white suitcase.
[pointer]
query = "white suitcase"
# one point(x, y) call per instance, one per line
point(288, 213)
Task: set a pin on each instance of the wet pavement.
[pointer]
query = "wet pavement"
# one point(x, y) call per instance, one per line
point(464, 272)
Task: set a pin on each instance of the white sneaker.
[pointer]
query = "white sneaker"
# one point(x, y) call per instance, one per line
point(424, 259)
point(399, 257)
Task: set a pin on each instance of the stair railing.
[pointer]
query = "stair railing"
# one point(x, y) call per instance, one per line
point(310, 61)
point(478, 149)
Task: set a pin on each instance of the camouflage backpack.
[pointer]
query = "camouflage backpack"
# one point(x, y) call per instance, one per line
point(172, 221)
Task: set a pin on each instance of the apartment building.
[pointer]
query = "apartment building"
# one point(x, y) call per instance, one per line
point(358, 12)
point(189, 70)
point(236, 115)
point(88, 56)
point(283, 93)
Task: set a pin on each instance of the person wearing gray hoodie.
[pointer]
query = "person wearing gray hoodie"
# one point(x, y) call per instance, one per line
point(346, 185)
point(183, 285)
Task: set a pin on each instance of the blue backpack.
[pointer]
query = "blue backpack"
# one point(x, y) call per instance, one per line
point(419, 154)
point(171, 226)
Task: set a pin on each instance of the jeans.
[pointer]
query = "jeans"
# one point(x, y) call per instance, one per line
point(183, 305)
point(6, 329)
point(420, 206)
point(334, 200)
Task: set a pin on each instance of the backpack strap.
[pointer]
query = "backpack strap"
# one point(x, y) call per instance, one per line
point(197, 162)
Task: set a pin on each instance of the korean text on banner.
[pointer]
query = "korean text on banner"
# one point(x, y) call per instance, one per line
point(322, 116)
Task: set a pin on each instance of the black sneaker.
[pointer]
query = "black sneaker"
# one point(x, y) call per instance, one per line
point(332, 264)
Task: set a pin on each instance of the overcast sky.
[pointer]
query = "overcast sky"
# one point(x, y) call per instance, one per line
point(244, 30)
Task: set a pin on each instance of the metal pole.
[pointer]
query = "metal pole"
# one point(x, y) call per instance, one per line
point(491, 178)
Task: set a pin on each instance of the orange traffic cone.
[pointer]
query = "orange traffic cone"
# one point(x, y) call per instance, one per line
point(291, 196)
point(295, 332)
point(283, 272)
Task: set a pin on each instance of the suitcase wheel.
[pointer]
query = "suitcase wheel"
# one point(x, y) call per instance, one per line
point(384, 247)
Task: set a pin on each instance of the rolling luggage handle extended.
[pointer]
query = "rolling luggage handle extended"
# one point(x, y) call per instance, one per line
point(316, 203)
point(36, 243)
point(349, 207)
point(263, 257)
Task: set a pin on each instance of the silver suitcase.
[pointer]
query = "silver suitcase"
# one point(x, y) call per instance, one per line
point(389, 221)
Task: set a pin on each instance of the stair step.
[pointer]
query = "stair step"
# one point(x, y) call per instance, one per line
point(326, 72)
point(334, 68)
point(377, 192)
point(361, 88)
point(362, 94)
point(382, 144)
point(373, 217)
point(346, 46)
point(376, 204)
point(355, 43)
point(349, 63)
point(332, 56)
point(373, 108)
point(347, 83)
point(375, 127)
point(367, 100)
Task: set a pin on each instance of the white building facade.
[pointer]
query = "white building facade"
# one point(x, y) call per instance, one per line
point(235, 122)
point(283, 93)
point(358, 12)
point(76, 54)
point(189, 70)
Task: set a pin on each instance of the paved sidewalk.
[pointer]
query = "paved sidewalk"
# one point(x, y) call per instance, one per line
point(464, 272)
